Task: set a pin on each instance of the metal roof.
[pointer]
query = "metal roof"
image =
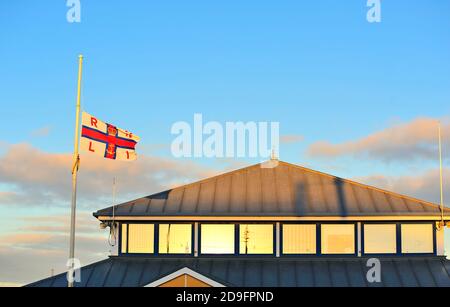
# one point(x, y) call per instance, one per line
point(259, 272)
point(283, 190)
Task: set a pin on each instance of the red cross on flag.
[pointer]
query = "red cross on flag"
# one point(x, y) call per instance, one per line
point(107, 140)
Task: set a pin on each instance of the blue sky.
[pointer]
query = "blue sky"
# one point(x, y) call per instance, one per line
point(317, 67)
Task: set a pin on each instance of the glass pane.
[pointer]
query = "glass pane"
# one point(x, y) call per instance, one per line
point(380, 238)
point(256, 238)
point(140, 238)
point(417, 238)
point(175, 238)
point(299, 239)
point(124, 239)
point(217, 239)
point(338, 239)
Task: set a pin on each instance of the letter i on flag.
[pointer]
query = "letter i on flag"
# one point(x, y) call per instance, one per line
point(107, 140)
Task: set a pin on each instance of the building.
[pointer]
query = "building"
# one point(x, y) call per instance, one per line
point(271, 224)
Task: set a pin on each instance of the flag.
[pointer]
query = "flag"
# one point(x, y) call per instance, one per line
point(107, 140)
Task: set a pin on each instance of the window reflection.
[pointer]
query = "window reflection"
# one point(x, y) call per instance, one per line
point(217, 239)
point(380, 238)
point(124, 238)
point(175, 238)
point(256, 238)
point(299, 239)
point(140, 238)
point(338, 238)
point(417, 238)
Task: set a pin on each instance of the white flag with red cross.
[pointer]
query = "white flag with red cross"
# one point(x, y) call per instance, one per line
point(107, 140)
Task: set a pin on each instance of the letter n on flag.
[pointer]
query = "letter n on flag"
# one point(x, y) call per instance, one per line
point(107, 140)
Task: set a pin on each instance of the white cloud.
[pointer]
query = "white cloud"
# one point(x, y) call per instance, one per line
point(42, 178)
point(291, 138)
point(34, 250)
point(423, 185)
point(417, 139)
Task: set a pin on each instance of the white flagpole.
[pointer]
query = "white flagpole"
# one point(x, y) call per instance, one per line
point(440, 175)
point(76, 161)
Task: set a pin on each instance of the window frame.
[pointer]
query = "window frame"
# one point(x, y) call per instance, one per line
point(237, 239)
point(177, 254)
point(197, 247)
point(155, 231)
point(318, 241)
point(155, 239)
point(121, 239)
point(397, 239)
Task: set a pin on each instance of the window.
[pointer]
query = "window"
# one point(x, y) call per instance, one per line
point(417, 238)
point(217, 239)
point(338, 238)
point(123, 248)
point(299, 238)
point(140, 238)
point(256, 238)
point(380, 238)
point(175, 238)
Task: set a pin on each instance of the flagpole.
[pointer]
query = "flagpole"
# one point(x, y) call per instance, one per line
point(75, 165)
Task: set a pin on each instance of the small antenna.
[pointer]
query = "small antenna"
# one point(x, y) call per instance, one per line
point(440, 175)
point(114, 191)
point(274, 154)
point(112, 232)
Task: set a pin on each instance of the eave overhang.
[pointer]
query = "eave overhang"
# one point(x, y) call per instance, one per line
point(275, 218)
